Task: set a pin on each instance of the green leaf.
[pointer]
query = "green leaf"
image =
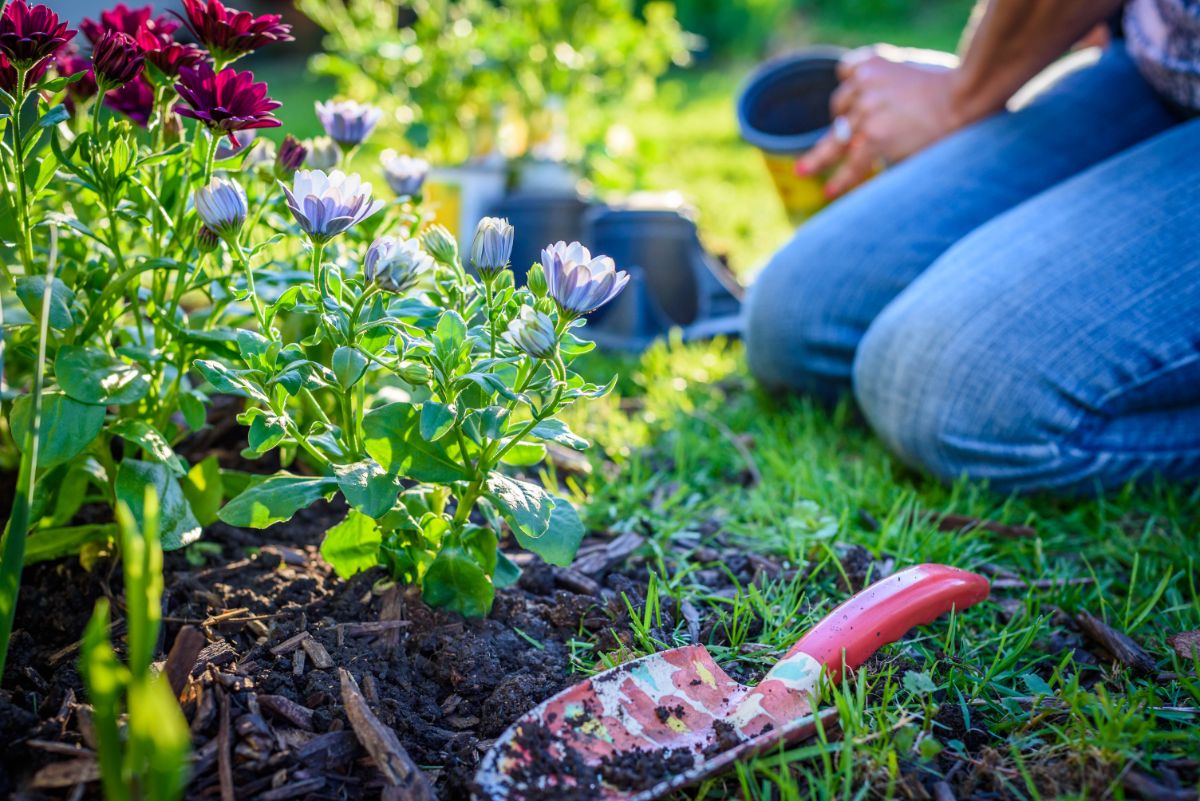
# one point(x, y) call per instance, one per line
point(352, 546)
point(158, 730)
point(349, 365)
point(55, 543)
point(265, 432)
point(54, 116)
point(436, 420)
point(68, 426)
point(525, 454)
point(275, 500)
point(918, 683)
point(29, 290)
point(231, 382)
point(178, 526)
point(557, 431)
point(205, 489)
point(393, 438)
point(507, 572)
point(368, 487)
point(105, 679)
point(92, 376)
point(562, 538)
point(195, 412)
point(456, 582)
point(148, 438)
point(525, 506)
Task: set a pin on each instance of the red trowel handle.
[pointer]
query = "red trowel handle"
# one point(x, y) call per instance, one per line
point(885, 611)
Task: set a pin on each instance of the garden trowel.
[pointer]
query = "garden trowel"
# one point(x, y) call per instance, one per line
point(655, 724)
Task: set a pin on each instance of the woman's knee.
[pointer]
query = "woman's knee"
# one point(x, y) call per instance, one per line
point(943, 395)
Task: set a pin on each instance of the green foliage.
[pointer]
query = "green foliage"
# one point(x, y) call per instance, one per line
point(462, 69)
point(143, 738)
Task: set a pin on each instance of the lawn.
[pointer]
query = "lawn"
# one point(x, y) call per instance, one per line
point(1009, 699)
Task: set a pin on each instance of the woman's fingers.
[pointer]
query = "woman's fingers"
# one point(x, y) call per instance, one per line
point(857, 167)
point(843, 97)
point(825, 153)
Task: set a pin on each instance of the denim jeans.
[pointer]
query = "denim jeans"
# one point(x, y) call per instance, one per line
point(1018, 303)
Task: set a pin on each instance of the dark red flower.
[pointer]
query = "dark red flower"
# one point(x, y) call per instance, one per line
point(116, 59)
point(127, 20)
point(226, 101)
point(69, 61)
point(30, 35)
point(168, 55)
point(229, 34)
point(135, 100)
point(289, 157)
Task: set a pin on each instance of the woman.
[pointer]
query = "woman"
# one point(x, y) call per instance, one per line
point(1017, 297)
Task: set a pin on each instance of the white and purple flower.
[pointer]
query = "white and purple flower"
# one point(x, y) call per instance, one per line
point(328, 205)
point(492, 247)
point(222, 206)
point(404, 174)
point(577, 282)
point(322, 154)
point(395, 265)
point(533, 333)
point(347, 122)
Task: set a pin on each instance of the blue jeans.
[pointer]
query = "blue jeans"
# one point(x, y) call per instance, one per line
point(1018, 303)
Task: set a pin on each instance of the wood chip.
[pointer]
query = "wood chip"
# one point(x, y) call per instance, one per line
point(57, 775)
point(329, 750)
point(293, 790)
point(382, 744)
point(224, 748)
point(595, 559)
point(317, 653)
point(576, 582)
point(1142, 786)
point(942, 792)
point(217, 653)
point(691, 616)
point(288, 556)
point(1186, 644)
point(286, 709)
point(391, 610)
point(56, 747)
point(189, 642)
point(290, 644)
point(298, 662)
point(1121, 646)
point(372, 628)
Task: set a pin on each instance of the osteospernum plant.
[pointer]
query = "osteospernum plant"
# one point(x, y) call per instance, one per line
point(470, 372)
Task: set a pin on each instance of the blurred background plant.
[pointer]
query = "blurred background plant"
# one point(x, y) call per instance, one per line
point(469, 78)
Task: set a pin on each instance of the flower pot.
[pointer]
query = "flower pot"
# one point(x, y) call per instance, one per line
point(783, 110)
point(461, 196)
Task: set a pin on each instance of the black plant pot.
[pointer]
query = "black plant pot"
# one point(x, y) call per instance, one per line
point(540, 219)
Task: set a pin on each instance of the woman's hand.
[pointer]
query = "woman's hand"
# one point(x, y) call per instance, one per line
point(891, 103)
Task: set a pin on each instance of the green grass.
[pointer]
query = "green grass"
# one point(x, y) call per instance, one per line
point(1046, 720)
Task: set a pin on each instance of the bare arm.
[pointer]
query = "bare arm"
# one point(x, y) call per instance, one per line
point(1013, 41)
point(898, 102)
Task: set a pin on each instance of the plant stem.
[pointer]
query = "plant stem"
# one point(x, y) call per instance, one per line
point(12, 560)
point(22, 191)
point(309, 449)
point(491, 317)
point(239, 254)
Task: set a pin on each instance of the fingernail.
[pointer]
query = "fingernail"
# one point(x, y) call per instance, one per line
point(802, 167)
point(832, 191)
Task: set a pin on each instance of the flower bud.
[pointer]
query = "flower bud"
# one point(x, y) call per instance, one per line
point(544, 305)
point(533, 333)
point(116, 59)
point(415, 373)
point(289, 157)
point(404, 174)
point(323, 154)
point(207, 240)
point(440, 244)
point(395, 265)
point(222, 206)
point(535, 279)
point(492, 247)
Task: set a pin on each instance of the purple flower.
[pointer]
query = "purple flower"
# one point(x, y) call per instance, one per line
point(207, 240)
point(166, 54)
point(492, 247)
point(230, 34)
point(237, 141)
point(577, 282)
point(135, 100)
point(395, 265)
point(116, 60)
point(404, 174)
point(30, 35)
point(289, 158)
point(227, 101)
point(222, 206)
point(346, 122)
point(323, 153)
point(533, 333)
point(327, 205)
point(69, 61)
point(126, 20)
